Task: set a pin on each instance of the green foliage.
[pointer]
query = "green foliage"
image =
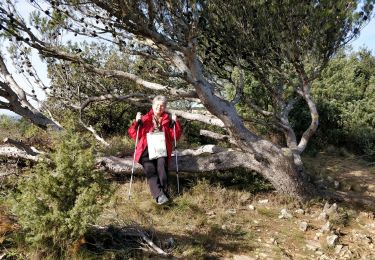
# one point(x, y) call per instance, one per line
point(60, 199)
point(5, 122)
point(345, 95)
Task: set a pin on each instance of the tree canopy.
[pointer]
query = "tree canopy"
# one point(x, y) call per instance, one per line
point(199, 51)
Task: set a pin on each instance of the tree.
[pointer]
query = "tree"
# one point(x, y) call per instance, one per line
point(16, 100)
point(198, 45)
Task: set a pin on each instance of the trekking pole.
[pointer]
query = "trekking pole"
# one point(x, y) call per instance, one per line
point(135, 149)
point(175, 153)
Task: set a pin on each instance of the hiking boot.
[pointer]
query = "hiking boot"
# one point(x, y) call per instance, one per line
point(162, 199)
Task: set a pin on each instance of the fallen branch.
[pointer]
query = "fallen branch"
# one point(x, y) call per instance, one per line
point(134, 233)
point(28, 149)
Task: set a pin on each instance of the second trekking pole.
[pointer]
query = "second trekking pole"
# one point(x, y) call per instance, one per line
point(135, 149)
point(175, 153)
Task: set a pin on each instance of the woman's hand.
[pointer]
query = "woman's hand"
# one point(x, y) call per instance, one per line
point(138, 117)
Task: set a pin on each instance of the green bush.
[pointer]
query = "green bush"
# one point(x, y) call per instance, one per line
point(345, 98)
point(59, 199)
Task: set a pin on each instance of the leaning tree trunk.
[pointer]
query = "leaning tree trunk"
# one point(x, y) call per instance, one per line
point(16, 100)
point(34, 116)
point(274, 163)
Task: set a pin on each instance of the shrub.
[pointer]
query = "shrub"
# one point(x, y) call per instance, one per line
point(58, 201)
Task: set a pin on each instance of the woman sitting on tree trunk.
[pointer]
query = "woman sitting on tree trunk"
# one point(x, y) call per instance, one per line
point(154, 148)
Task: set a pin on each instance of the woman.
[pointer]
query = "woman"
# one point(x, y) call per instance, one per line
point(156, 170)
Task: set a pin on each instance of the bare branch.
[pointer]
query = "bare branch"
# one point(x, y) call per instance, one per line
point(30, 150)
point(217, 136)
point(258, 109)
point(208, 119)
point(110, 97)
point(89, 128)
point(4, 105)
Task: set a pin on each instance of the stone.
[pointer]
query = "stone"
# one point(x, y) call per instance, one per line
point(338, 249)
point(231, 211)
point(318, 235)
point(303, 225)
point(345, 252)
point(324, 257)
point(273, 241)
point(245, 197)
point(251, 207)
point(336, 184)
point(263, 201)
point(331, 210)
point(326, 206)
point(312, 245)
point(284, 214)
point(299, 211)
point(323, 216)
point(332, 240)
point(326, 227)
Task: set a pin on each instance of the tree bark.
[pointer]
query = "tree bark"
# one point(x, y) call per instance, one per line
point(17, 100)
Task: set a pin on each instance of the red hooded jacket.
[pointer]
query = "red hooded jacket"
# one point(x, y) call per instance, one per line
point(148, 126)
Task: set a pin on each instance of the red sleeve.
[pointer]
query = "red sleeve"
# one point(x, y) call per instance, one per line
point(132, 131)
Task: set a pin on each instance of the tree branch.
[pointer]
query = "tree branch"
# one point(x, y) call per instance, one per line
point(305, 93)
point(198, 160)
point(217, 136)
point(110, 97)
point(208, 119)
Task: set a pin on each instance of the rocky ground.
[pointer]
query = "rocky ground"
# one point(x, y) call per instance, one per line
point(211, 221)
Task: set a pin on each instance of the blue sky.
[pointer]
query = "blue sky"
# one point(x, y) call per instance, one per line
point(366, 39)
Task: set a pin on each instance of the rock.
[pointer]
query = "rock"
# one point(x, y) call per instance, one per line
point(336, 184)
point(299, 211)
point(284, 214)
point(326, 227)
point(303, 226)
point(324, 257)
point(273, 241)
point(263, 201)
point(312, 245)
point(231, 211)
point(318, 235)
point(345, 252)
point(332, 240)
point(331, 210)
point(323, 216)
point(251, 207)
point(338, 249)
point(326, 206)
point(245, 197)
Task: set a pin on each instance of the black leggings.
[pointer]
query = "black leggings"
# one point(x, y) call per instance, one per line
point(157, 174)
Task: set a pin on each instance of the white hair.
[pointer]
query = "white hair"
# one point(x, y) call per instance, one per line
point(160, 98)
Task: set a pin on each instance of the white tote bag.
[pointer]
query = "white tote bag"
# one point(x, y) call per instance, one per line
point(156, 145)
